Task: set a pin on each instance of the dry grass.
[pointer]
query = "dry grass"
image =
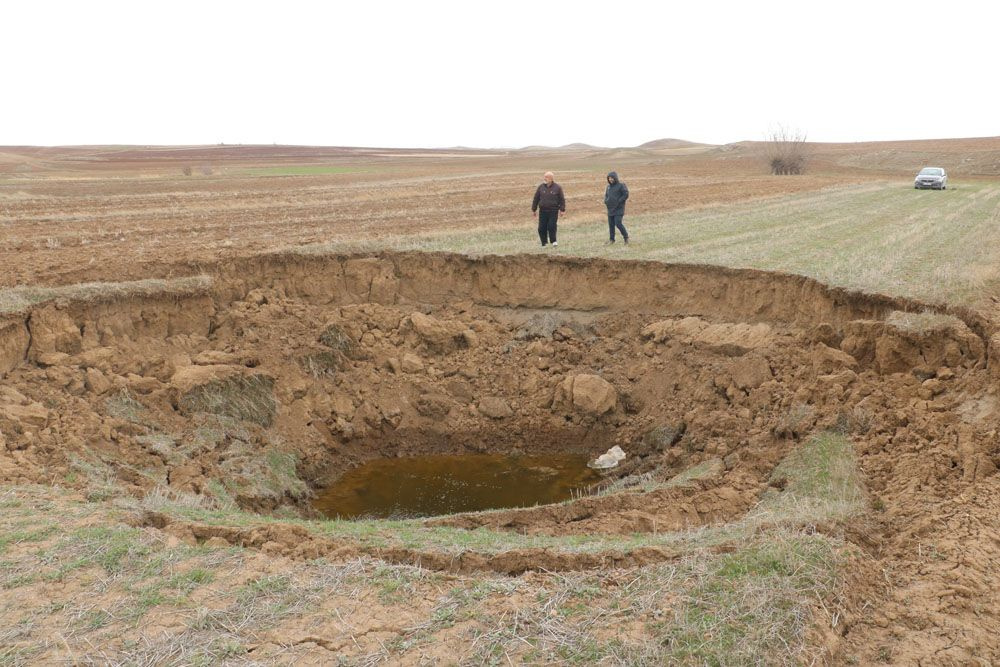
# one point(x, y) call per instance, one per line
point(17, 299)
point(242, 397)
point(820, 483)
point(922, 322)
point(752, 606)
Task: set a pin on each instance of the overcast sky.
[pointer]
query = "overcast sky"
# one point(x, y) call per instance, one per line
point(372, 73)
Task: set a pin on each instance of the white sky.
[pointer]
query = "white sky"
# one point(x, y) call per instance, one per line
point(426, 73)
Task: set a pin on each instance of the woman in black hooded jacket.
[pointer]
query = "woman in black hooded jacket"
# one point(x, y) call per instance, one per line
point(614, 199)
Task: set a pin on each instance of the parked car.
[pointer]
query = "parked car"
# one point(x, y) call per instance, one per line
point(931, 177)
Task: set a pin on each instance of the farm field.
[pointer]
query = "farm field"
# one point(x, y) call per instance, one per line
point(63, 226)
point(194, 341)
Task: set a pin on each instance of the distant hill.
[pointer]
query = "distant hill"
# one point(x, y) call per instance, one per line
point(580, 147)
point(670, 143)
point(659, 144)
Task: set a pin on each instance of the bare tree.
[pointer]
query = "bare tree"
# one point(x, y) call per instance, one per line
point(186, 171)
point(785, 150)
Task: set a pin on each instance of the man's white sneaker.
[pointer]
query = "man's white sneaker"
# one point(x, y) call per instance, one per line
point(555, 243)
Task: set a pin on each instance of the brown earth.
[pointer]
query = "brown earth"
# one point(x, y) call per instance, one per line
point(304, 355)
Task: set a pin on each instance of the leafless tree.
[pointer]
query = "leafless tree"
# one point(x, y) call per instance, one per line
point(186, 171)
point(785, 150)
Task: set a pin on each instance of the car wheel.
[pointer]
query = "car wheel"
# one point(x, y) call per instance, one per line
point(944, 187)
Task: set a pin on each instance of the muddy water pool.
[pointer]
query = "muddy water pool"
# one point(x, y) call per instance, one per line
point(434, 485)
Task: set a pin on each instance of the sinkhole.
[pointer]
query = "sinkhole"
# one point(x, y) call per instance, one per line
point(437, 386)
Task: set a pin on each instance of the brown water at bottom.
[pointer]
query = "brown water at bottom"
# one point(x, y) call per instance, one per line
point(433, 485)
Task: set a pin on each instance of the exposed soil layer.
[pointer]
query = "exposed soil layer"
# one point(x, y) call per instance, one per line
point(285, 368)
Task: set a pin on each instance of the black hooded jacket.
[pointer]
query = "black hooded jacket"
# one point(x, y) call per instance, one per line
point(615, 195)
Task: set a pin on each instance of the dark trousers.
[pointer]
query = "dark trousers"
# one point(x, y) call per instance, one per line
point(547, 225)
point(616, 221)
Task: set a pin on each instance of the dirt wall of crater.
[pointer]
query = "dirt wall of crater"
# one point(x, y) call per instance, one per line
point(67, 325)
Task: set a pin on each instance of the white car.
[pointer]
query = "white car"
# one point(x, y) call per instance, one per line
point(931, 177)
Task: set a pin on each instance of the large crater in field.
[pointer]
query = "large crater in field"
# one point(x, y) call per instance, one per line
point(267, 379)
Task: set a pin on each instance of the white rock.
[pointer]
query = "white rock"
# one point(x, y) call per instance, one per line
point(608, 459)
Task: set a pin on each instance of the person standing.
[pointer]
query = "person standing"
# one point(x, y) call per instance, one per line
point(549, 201)
point(614, 198)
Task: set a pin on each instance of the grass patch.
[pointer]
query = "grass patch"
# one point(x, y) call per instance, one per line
point(209, 636)
point(321, 364)
point(264, 472)
point(17, 299)
point(395, 584)
point(749, 605)
point(116, 550)
point(161, 444)
point(653, 481)
point(160, 497)
point(14, 656)
point(22, 536)
point(327, 362)
point(922, 322)
point(101, 481)
point(260, 603)
point(752, 606)
point(123, 405)
point(336, 339)
point(282, 478)
point(184, 583)
point(695, 472)
point(212, 430)
point(821, 482)
point(242, 397)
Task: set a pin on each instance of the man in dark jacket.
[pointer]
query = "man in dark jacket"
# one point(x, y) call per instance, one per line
point(614, 198)
point(547, 204)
